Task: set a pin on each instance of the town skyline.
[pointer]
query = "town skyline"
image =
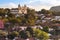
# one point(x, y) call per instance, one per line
point(35, 4)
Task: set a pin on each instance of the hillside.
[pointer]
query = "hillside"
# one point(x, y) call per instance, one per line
point(55, 8)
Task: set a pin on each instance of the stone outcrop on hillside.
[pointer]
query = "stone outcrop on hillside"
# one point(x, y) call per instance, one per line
point(55, 8)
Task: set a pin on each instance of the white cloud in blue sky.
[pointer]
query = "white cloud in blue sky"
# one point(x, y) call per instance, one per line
point(36, 4)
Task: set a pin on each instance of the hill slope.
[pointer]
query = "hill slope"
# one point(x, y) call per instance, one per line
point(55, 8)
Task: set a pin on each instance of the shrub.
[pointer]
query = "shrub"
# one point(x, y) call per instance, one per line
point(23, 34)
point(30, 30)
point(28, 34)
point(3, 34)
point(40, 34)
point(13, 34)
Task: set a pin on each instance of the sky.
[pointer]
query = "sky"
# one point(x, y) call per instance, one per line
point(35, 4)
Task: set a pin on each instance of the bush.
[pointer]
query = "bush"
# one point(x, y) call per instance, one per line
point(40, 34)
point(46, 29)
point(28, 34)
point(13, 34)
point(3, 34)
point(30, 30)
point(23, 34)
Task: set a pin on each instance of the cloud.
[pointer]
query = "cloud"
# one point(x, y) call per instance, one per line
point(43, 4)
point(9, 5)
point(13, 5)
point(31, 1)
point(35, 4)
point(37, 8)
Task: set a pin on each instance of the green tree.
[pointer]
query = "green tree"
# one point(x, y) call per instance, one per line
point(23, 34)
point(31, 17)
point(46, 29)
point(30, 30)
point(46, 12)
point(12, 35)
point(2, 12)
point(3, 34)
point(7, 10)
point(43, 11)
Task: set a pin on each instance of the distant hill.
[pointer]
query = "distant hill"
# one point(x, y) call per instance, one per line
point(55, 8)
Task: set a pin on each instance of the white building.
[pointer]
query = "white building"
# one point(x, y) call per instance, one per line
point(57, 18)
point(19, 10)
point(14, 10)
